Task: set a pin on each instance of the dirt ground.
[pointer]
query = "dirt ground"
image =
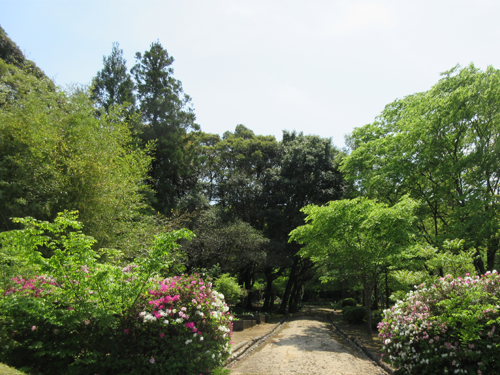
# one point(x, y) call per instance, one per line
point(306, 345)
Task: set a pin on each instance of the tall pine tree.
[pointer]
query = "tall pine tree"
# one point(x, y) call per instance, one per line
point(113, 84)
point(167, 117)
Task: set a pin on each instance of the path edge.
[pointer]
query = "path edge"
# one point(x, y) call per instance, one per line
point(244, 350)
point(358, 345)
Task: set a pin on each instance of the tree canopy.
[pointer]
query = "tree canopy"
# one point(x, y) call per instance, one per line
point(56, 155)
point(359, 235)
point(441, 147)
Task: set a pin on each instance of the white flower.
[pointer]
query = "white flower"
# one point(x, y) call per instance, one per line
point(201, 338)
point(189, 342)
point(165, 321)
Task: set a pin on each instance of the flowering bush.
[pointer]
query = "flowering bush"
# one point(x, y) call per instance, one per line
point(89, 318)
point(189, 323)
point(449, 327)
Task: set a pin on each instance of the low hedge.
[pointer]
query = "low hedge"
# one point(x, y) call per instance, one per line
point(348, 302)
point(354, 314)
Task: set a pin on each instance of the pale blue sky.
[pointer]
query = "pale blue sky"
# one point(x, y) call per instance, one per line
point(321, 67)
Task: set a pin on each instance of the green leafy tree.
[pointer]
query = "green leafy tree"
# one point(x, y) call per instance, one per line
point(56, 155)
point(441, 147)
point(307, 173)
point(360, 235)
point(233, 174)
point(168, 118)
point(227, 241)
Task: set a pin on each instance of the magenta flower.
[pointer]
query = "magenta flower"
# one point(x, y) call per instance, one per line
point(126, 331)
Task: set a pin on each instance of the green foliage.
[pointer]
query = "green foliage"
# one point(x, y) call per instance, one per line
point(348, 302)
point(10, 53)
point(167, 118)
point(229, 287)
point(88, 317)
point(113, 84)
point(440, 147)
point(452, 260)
point(233, 244)
point(360, 236)
point(446, 327)
point(56, 155)
point(354, 314)
point(377, 316)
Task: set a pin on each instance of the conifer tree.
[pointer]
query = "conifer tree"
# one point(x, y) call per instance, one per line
point(113, 84)
point(167, 117)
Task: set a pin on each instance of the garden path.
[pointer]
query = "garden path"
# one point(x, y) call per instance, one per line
point(306, 345)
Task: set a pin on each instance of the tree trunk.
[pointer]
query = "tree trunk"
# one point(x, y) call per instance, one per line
point(247, 280)
point(295, 296)
point(386, 289)
point(268, 294)
point(288, 289)
point(368, 307)
point(491, 253)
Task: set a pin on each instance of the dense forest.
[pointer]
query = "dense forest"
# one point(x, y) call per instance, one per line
point(414, 197)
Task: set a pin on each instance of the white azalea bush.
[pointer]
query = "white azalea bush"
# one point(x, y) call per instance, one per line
point(449, 327)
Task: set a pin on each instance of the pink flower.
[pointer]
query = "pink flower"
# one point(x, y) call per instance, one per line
point(33, 328)
point(189, 325)
point(152, 360)
point(126, 331)
point(162, 334)
point(70, 308)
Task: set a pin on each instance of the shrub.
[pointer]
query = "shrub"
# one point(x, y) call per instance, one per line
point(229, 287)
point(349, 302)
point(446, 327)
point(354, 314)
point(377, 316)
point(88, 318)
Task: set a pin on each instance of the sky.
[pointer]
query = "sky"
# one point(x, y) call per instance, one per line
point(318, 67)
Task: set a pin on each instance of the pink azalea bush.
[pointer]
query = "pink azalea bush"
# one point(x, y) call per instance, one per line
point(96, 318)
point(449, 327)
point(178, 326)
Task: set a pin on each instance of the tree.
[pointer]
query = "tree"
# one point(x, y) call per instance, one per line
point(236, 170)
point(441, 147)
point(306, 173)
point(113, 84)
point(167, 117)
point(56, 155)
point(360, 235)
point(229, 242)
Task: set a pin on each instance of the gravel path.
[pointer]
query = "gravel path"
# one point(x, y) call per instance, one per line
point(306, 346)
